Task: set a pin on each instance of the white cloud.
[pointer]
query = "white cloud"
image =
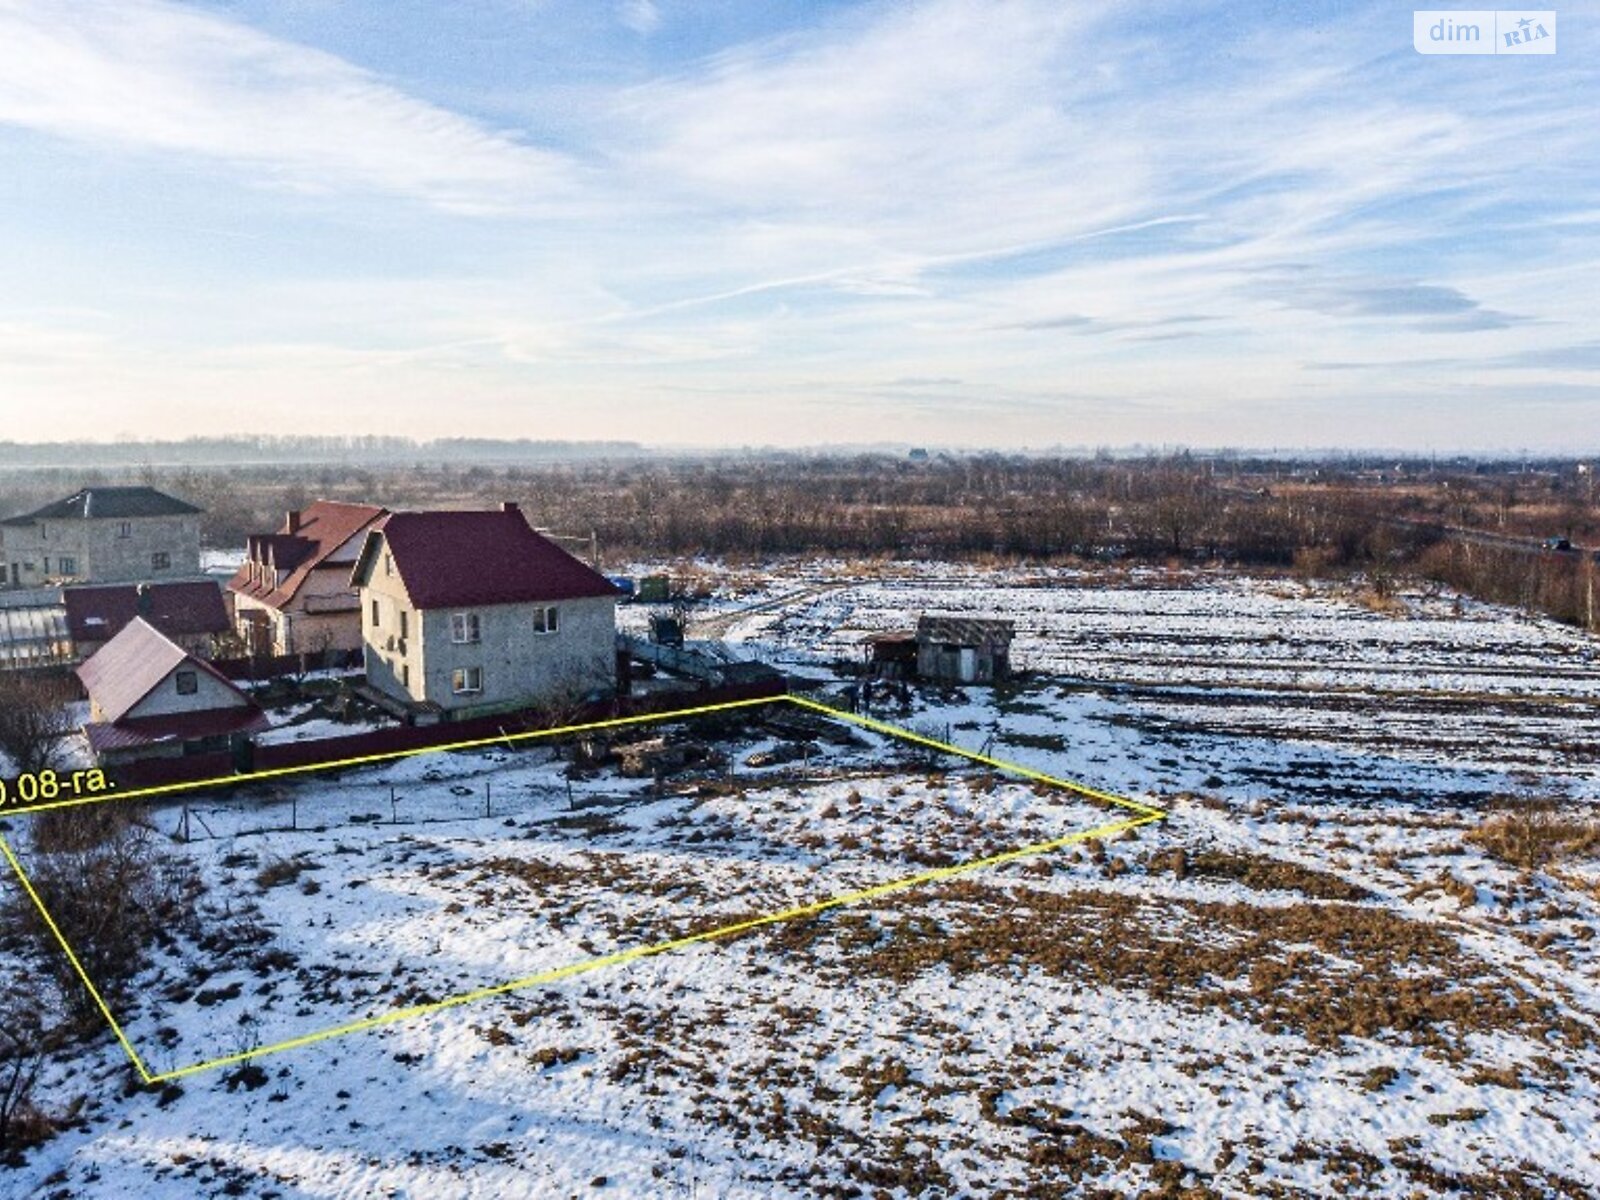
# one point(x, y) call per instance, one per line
point(151, 76)
point(641, 16)
point(949, 120)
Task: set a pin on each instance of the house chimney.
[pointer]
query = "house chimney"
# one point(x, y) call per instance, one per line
point(511, 506)
point(293, 520)
point(145, 601)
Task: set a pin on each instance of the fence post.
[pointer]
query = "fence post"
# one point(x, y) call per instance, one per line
point(486, 798)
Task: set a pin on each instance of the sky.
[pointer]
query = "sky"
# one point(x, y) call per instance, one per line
point(959, 223)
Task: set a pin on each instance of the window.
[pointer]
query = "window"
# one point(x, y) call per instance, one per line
point(388, 564)
point(69, 566)
point(405, 623)
point(375, 612)
point(466, 680)
point(544, 619)
point(47, 565)
point(188, 683)
point(405, 675)
point(464, 628)
point(125, 530)
point(160, 561)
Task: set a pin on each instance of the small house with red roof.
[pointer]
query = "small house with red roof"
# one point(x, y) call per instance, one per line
point(293, 594)
point(468, 613)
point(150, 698)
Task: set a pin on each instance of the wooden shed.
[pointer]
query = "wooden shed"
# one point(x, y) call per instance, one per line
point(953, 649)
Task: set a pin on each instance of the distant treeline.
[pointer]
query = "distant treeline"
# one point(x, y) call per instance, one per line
point(1339, 517)
point(297, 450)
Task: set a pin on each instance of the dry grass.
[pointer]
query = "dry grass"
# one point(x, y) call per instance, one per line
point(1260, 873)
point(1320, 971)
point(1382, 602)
point(280, 871)
point(1532, 837)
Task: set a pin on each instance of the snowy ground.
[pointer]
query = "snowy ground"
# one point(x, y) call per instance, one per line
point(299, 722)
point(1313, 978)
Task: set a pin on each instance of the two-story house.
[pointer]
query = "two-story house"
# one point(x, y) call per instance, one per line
point(468, 613)
point(293, 594)
point(102, 535)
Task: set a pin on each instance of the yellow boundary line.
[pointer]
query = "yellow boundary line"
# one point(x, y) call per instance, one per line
point(1145, 815)
point(907, 735)
point(55, 931)
point(367, 760)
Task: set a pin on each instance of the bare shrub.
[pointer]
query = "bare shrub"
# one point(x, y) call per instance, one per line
point(33, 719)
point(74, 829)
point(113, 895)
point(280, 871)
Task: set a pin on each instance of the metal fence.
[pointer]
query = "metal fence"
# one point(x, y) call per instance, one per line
point(378, 803)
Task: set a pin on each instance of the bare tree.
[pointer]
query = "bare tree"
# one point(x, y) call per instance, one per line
point(315, 654)
point(34, 719)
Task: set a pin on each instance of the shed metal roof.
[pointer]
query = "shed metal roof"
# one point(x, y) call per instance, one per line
point(965, 631)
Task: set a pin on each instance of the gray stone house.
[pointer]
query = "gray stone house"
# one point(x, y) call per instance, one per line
point(469, 613)
point(102, 535)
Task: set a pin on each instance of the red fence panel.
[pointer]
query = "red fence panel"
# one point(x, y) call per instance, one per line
point(400, 738)
point(157, 772)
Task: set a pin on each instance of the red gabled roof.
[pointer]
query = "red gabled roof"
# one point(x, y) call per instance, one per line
point(321, 530)
point(98, 614)
point(467, 559)
point(131, 665)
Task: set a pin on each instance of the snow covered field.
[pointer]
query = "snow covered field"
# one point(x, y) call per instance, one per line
point(1321, 974)
point(1191, 658)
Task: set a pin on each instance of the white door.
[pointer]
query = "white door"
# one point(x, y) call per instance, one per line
point(969, 664)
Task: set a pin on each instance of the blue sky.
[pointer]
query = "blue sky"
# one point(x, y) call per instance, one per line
point(965, 222)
